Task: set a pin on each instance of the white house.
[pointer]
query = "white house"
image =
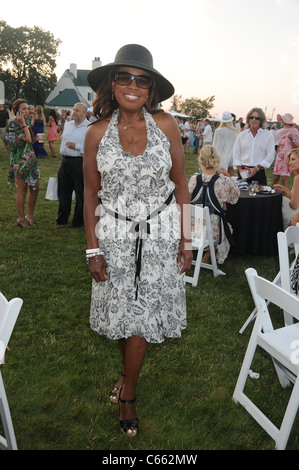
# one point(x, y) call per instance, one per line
point(71, 88)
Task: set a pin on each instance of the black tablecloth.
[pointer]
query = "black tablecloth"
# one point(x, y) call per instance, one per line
point(256, 221)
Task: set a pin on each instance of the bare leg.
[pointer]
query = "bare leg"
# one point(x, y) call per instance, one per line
point(115, 392)
point(31, 202)
point(276, 179)
point(285, 180)
point(134, 351)
point(52, 147)
point(20, 201)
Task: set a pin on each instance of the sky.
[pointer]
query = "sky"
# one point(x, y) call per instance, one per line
point(245, 53)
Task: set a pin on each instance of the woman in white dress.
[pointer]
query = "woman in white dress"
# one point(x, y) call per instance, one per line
point(290, 204)
point(135, 189)
point(224, 140)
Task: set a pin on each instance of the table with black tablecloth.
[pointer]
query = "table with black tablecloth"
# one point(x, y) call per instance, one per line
point(256, 221)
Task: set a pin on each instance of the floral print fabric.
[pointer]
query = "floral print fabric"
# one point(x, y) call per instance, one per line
point(22, 158)
point(135, 186)
point(226, 191)
point(280, 166)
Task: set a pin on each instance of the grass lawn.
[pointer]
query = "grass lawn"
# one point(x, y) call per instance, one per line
point(59, 373)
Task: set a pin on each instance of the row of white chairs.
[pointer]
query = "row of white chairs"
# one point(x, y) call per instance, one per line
point(281, 343)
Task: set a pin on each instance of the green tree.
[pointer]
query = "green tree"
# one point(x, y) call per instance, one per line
point(24, 51)
point(38, 86)
point(197, 108)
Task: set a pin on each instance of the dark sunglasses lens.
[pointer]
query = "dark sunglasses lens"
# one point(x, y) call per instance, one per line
point(143, 82)
point(124, 78)
point(255, 117)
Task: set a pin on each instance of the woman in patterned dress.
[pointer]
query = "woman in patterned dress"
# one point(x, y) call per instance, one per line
point(290, 199)
point(137, 248)
point(225, 189)
point(288, 139)
point(23, 170)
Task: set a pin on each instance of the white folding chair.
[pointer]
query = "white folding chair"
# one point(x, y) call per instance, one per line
point(9, 312)
point(285, 240)
point(283, 346)
point(199, 244)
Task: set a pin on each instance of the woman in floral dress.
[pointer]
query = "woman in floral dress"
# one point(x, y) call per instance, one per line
point(137, 250)
point(288, 139)
point(23, 171)
point(226, 190)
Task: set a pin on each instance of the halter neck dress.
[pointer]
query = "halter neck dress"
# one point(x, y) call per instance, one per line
point(132, 188)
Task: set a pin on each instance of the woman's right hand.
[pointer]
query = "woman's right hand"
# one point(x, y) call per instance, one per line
point(98, 269)
point(20, 119)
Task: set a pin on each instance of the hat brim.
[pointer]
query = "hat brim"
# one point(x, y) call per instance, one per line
point(227, 120)
point(164, 88)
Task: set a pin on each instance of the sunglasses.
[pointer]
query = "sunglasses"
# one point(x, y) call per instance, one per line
point(255, 117)
point(125, 78)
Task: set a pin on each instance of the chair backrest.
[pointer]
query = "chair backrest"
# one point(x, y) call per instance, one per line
point(9, 312)
point(199, 213)
point(264, 291)
point(285, 240)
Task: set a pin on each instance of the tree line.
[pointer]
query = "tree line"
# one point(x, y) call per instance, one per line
point(27, 64)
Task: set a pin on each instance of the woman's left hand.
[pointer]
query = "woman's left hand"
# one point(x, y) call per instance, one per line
point(295, 219)
point(279, 187)
point(185, 252)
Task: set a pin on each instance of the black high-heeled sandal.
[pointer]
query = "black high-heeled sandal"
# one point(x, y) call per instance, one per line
point(128, 426)
point(115, 392)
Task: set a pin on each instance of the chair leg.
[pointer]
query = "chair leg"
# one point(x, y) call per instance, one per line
point(197, 267)
point(288, 418)
point(9, 442)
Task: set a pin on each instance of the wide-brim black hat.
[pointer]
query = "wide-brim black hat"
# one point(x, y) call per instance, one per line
point(133, 55)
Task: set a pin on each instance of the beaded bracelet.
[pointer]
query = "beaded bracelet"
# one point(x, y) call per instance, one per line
point(93, 253)
point(93, 250)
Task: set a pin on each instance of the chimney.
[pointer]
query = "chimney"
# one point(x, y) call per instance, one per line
point(73, 69)
point(96, 63)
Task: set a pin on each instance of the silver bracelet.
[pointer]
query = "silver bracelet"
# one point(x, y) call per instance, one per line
point(94, 254)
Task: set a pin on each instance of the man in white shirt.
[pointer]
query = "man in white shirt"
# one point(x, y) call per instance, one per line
point(207, 133)
point(70, 173)
point(254, 148)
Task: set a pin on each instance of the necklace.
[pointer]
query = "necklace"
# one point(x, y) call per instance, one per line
point(129, 123)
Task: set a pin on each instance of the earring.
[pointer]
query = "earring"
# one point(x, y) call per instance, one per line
point(112, 95)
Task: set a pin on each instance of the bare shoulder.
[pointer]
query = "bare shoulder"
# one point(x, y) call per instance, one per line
point(164, 118)
point(96, 130)
point(296, 181)
point(167, 123)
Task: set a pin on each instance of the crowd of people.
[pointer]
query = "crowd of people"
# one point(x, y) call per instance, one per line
point(133, 197)
point(247, 149)
point(23, 134)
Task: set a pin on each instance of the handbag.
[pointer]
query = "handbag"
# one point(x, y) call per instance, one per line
point(52, 189)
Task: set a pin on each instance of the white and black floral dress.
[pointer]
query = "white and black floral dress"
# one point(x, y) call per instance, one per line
point(133, 188)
